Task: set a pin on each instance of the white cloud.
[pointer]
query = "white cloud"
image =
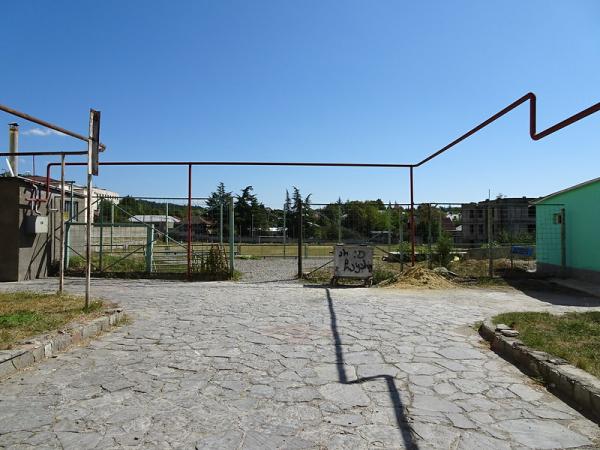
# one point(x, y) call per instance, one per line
point(41, 132)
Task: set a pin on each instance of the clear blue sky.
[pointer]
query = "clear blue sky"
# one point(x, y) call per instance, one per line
point(353, 81)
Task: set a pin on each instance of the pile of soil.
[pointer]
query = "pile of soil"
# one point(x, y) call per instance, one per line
point(421, 277)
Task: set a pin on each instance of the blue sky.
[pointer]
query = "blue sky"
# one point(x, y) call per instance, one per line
point(350, 81)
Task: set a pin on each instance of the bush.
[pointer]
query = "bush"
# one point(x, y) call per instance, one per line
point(444, 249)
point(214, 264)
point(381, 274)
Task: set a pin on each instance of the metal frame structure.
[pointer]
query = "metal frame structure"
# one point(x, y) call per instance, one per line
point(91, 143)
point(532, 132)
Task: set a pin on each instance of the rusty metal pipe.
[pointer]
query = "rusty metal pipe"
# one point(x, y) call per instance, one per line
point(45, 153)
point(412, 218)
point(530, 96)
point(46, 124)
point(189, 230)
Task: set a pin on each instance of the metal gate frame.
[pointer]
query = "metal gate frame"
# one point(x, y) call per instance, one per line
point(530, 96)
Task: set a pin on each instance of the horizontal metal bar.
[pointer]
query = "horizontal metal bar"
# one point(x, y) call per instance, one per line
point(46, 153)
point(46, 124)
point(138, 197)
point(236, 163)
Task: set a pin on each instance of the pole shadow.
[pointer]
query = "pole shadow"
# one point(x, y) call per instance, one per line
point(406, 432)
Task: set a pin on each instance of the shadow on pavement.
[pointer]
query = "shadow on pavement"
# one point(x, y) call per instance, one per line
point(548, 292)
point(405, 430)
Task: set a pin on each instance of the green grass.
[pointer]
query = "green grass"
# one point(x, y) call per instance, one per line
point(26, 314)
point(574, 337)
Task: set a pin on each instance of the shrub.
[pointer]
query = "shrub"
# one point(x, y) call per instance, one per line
point(444, 249)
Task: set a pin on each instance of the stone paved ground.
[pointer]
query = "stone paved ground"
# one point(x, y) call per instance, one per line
point(265, 366)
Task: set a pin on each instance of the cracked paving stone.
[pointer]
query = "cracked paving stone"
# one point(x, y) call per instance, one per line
point(542, 434)
point(345, 395)
point(265, 365)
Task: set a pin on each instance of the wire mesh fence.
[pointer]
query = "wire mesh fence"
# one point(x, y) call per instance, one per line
point(149, 234)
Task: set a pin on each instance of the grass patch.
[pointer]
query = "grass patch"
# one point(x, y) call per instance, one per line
point(572, 336)
point(26, 314)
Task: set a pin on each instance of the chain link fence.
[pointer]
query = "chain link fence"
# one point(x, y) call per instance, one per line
point(150, 235)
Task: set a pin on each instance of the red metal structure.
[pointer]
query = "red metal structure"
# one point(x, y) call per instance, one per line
point(532, 132)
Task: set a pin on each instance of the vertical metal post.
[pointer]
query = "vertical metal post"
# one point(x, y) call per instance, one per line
point(167, 224)
point(89, 217)
point(72, 205)
point(231, 237)
point(189, 220)
point(284, 229)
point(68, 229)
point(429, 249)
point(300, 225)
point(339, 224)
point(412, 217)
point(66, 246)
point(563, 243)
point(489, 235)
point(389, 227)
point(149, 247)
point(221, 222)
point(112, 223)
point(61, 209)
point(401, 238)
point(101, 208)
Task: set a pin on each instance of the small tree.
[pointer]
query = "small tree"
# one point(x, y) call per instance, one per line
point(444, 249)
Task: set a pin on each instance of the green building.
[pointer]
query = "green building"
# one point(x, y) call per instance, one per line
point(568, 232)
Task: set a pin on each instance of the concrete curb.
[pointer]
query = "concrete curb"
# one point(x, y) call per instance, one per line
point(46, 346)
point(566, 381)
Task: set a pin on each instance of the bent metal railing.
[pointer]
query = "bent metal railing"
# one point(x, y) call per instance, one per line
point(530, 96)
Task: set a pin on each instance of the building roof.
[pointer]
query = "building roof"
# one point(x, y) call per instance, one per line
point(41, 182)
point(572, 188)
point(199, 220)
point(503, 201)
point(153, 218)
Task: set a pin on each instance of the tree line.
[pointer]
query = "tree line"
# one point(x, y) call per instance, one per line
point(346, 220)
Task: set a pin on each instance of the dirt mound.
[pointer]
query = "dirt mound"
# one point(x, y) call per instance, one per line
point(423, 278)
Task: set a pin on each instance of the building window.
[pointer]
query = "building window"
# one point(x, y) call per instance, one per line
point(480, 228)
point(557, 218)
point(472, 228)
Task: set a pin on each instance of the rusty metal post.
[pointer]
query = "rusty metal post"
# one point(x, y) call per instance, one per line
point(61, 209)
point(189, 229)
point(412, 217)
point(300, 225)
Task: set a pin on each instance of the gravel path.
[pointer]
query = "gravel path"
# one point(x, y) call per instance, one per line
point(267, 366)
point(274, 269)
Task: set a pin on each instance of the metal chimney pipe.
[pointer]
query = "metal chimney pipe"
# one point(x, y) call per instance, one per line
point(13, 146)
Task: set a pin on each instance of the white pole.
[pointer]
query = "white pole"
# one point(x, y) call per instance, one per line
point(61, 209)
